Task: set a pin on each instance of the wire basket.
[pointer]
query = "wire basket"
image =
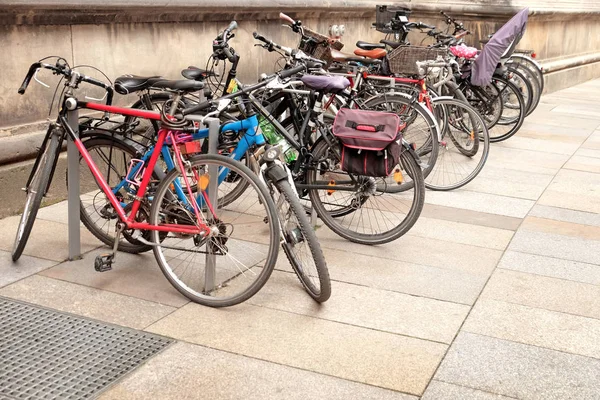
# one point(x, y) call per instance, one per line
point(384, 15)
point(403, 59)
point(320, 46)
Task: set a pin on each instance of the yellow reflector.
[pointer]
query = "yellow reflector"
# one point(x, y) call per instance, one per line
point(398, 177)
point(330, 191)
point(203, 181)
point(233, 87)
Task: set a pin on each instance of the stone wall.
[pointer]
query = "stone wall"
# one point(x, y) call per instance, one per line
point(162, 37)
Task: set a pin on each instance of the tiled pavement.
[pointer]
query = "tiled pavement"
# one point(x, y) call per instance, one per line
point(495, 293)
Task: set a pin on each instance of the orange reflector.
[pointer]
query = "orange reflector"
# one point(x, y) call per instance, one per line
point(398, 177)
point(472, 135)
point(203, 181)
point(330, 191)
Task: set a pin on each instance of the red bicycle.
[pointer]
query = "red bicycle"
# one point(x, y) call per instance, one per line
point(215, 254)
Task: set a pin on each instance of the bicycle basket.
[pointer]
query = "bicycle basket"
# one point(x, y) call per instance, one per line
point(319, 46)
point(403, 59)
point(384, 15)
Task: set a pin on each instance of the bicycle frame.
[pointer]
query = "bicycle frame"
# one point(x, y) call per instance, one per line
point(130, 221)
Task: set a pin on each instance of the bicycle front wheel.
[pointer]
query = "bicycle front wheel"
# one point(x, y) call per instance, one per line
point(235, 260)
point(300, 243)
point(35, 192)
point(464, 147)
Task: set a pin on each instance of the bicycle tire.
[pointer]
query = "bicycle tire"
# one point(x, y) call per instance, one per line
point(476, 129)
point(535, 86)
point(309, 237)
point(527, 62)
point(525, 87)
point(99, 140)
point(263, 199)
point(412, 169)
point(518, 120)
point(35, 192)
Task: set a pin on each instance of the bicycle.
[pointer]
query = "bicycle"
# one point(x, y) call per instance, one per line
point(184, 220)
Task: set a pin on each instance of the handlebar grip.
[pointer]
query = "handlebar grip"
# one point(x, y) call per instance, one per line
point(232, 26)
point(260, 37)
point(286, 18)
point(293, 71)
point(199, 107)
point(425, 26)
point(32, 69)
point(313, 63)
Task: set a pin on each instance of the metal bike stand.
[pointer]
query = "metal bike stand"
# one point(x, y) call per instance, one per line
point(73, 190)
point(213, 171)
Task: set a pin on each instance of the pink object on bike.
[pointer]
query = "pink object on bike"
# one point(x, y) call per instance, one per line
point(464, 51)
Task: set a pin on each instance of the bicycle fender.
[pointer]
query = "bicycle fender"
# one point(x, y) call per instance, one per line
point(275, 173)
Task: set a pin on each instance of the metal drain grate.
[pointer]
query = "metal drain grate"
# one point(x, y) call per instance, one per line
point(45, 354)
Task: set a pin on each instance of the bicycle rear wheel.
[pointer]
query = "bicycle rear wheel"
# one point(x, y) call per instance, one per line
point(375, 214)
point(36, 191)
point(300, 244)
point(237, 258)
point(112, 157)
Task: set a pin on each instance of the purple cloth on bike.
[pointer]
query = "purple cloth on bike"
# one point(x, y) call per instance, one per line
point(326, 84)
point(502, 42)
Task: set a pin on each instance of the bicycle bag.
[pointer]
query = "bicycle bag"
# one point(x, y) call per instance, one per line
point(368, 141)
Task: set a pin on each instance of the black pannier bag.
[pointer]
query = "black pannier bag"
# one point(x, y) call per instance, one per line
point(369, 141)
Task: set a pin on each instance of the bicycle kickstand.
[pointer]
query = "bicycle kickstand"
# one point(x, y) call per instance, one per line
point(104, 262)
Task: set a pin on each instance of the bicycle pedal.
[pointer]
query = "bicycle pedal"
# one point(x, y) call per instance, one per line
point(103, 263)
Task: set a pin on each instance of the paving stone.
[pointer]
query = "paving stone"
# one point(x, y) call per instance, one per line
point(419, 250)
point(557, 118)
point(566, 215)
point(195, 372)
point(57, 212)
point(551, 267)
point(48, 239)
point(462, 233)
point(558, 246)
point(438, 390)
point(585, 111)
point(410, 278)
point(378, 309)
point(543, 292)
point(519, 370)
point(136, 275)
point(541, 145)
point(582, 163)
point(13, 271)
point(529, 325)
point(349, 352)
point(88, 302)
point(481, 202)
point(587, 153)
point(520, 184)
point(574, 190)
point(470, 217)
point(525, 160)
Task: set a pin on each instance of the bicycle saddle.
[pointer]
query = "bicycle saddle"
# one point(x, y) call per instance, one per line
point(369, 46)
point(127, 84)
point(196, 74)
point(183, 85)
point(375, 53)
point(326, 84)
point(343, 57)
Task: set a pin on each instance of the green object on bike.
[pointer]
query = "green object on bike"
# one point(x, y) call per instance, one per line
point(273, 138)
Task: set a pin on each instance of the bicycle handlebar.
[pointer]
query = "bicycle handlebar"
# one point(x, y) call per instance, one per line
point(67, 73)
point(299, 55)
point(287, 18)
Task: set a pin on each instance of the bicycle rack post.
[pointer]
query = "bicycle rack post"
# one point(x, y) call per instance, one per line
point(213, 172)
point(73, 191)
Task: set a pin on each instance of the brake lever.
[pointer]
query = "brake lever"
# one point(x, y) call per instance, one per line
point(38, 81)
